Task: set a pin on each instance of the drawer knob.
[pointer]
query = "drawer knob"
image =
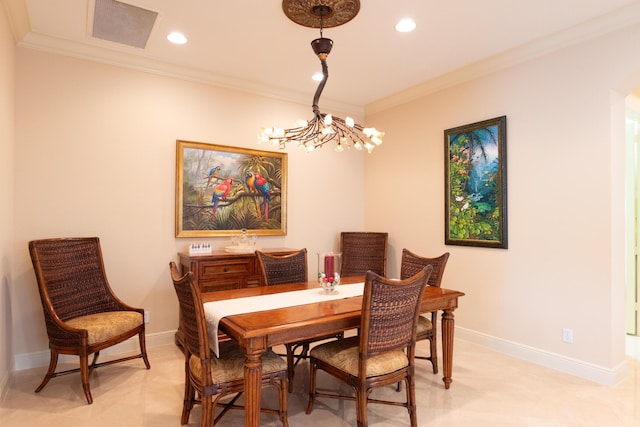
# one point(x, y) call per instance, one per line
point(226, 269)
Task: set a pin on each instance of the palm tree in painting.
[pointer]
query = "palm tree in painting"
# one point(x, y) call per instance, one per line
point(473, 179)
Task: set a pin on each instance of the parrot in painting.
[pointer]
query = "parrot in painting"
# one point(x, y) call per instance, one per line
point(262, 185)
point(220, 192)
point(213, 172)
point(249, 180)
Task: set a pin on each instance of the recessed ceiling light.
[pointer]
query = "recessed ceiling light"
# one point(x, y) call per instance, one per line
point(177, 38)
point(317, 77)
point(405, 25)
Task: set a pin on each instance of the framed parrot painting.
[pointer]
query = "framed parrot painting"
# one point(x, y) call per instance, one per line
point(221, 190)
point(476, 184)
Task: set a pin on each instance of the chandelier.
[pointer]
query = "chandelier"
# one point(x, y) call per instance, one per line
point(323, 128)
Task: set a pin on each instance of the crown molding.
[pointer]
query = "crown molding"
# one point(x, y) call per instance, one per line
point(96, 53)
point(621, 18)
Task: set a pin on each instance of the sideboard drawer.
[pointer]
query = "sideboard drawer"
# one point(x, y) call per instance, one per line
point(221, 268)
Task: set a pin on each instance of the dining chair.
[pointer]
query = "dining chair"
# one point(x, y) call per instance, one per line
point(427, 324)
point(215, 377)
point(82, 314)
point(383, 352)
point(363, 251)
point(283, 269)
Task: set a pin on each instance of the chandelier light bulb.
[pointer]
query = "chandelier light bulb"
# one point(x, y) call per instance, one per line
point(369, 147)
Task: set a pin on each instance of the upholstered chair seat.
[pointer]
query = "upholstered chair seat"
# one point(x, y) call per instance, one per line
point(343, 354)
point(230, 365)
point(108, 325)
point(424, 325)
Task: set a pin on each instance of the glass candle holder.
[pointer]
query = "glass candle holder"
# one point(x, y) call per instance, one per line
point(329, 264)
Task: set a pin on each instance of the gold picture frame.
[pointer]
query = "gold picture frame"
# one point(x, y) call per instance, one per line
point(221, 190)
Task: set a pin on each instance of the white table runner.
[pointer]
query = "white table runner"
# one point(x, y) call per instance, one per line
point(216, 310)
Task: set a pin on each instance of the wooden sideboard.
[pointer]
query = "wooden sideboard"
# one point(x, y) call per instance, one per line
point(223, 270)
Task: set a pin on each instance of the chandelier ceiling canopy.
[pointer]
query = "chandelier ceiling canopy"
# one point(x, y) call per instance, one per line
point(323, 128)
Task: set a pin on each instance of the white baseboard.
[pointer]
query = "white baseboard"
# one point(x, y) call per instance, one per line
point(41, 358)
point(579, 368)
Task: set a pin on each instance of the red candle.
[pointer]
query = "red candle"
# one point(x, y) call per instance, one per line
point(328, 265)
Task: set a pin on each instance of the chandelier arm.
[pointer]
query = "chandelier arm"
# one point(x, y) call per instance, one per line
point(303, 134)
point(344, 130)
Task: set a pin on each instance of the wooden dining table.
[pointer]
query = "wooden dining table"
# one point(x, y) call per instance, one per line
point(259, 330)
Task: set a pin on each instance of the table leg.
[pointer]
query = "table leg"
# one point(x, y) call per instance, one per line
point(447, 346)
point(252, 386)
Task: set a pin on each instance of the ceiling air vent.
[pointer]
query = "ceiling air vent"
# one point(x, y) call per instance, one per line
point(122, 23)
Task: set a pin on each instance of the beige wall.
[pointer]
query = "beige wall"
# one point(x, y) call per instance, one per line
point(95, 155)
point(565, 146)
point(7, 106)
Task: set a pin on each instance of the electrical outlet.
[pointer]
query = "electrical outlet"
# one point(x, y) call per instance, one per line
point(146, 316)
point(567, 335)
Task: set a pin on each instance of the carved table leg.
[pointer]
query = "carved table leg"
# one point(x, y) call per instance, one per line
point(252, 386)
point(447, 346)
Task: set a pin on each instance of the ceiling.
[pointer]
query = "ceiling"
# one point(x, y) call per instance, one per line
point(251, 45)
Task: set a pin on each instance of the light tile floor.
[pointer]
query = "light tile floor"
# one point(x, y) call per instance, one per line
point(489, 389)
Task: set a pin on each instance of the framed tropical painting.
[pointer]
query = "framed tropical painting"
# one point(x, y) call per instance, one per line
point(221, 190)
point(476, 184)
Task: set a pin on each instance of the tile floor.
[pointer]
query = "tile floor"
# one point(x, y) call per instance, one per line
point(489, 389)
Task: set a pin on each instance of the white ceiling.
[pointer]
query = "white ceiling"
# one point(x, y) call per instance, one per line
point(251, 44)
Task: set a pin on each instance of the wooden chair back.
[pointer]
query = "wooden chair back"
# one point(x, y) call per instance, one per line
point(281, 269)
point(390, 310)
point(192, 314)
point(412, 263)
point(363, 251)
point(71, 278)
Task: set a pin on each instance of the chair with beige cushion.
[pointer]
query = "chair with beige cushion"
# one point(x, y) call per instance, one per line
point(363, 251)
point(383, 352)
point(82, 314)
point(216, 377)
point(283, 269)
point(427, 330)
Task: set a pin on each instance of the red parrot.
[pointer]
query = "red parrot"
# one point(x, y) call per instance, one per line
point(220, 191)
point(262, 185)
